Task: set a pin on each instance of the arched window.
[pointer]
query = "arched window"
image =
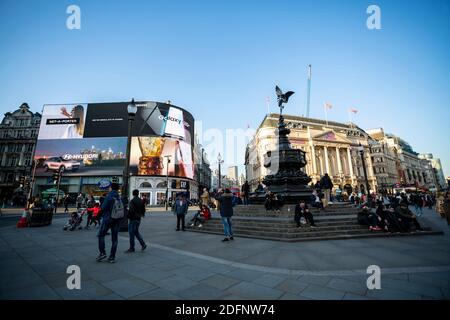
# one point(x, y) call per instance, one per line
point(145, 185)
point(162, 184)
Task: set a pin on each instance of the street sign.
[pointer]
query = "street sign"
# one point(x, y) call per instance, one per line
point(104, 184)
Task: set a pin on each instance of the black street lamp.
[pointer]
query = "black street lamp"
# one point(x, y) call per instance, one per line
point(220, 161)
point(202, 172)
point(132, 109)
point(167, 180)
point(361, 152)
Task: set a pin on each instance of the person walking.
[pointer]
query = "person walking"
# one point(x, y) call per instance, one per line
point(136, 211)
point(226, 212)
point(180, 208)
point(66, 203)
point(245, 191)
point(326, 185)
point(79, 201)
point(113, 212)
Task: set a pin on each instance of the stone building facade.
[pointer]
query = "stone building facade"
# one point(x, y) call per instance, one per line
point(330, 147)
point(18, 134)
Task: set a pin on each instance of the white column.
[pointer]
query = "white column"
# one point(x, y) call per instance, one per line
point(338, 157)
point(350, 165)
point(313, 156)
point(327, 166)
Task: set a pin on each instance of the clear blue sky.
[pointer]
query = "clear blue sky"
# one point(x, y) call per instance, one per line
point(220, 59)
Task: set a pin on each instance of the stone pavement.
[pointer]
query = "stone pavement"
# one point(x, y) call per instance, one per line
point(187, 265)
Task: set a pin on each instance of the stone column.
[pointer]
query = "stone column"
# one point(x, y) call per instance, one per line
point(338, 157)
point(350, 165)
point(313, 156)
point(327, 166)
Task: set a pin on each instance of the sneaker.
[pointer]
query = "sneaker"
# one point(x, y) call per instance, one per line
point(111, 259)
point(226, 239)
point(100, 257)
point(177, 229)
point(313, 227)
point(200, 225)
point(144, 247)
point(129, 251)
point(192, 224)
point(231, 238)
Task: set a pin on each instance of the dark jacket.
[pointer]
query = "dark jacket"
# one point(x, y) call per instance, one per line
point(245, 189)
point(325, 183)
point(108, 204)
point(404, 212)
point(299, 212)
point(136, 209)
point(226, 205)
point(180, 209)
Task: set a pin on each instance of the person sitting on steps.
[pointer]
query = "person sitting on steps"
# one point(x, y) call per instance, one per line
point(203, 215)
point(302, 210)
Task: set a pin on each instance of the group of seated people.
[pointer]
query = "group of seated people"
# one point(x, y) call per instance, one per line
point(382, 217)
point(273, 202)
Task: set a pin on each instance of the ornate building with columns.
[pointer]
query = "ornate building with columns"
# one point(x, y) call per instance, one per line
point(18, 134)
point(331, 147)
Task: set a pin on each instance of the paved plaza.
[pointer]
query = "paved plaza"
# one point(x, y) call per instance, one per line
point(188, 265)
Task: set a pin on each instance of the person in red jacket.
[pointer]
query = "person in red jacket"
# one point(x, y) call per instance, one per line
point(203, 215)
point(95, 214)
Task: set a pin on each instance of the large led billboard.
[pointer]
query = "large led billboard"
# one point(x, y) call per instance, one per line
point(90, 139)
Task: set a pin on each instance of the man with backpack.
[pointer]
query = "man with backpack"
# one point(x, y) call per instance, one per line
point(136, 210)
point(112, 212)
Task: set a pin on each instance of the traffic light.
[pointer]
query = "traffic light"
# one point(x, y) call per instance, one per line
point(22, 180)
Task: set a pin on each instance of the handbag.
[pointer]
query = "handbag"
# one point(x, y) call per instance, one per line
point(302, 220)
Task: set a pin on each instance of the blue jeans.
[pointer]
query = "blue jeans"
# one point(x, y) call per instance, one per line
point(114, 224)
point(133, 230)
point(227, 226)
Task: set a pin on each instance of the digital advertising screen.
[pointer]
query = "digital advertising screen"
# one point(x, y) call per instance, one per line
point(63, 122)
point(81, 157)
point(149, 157)
point(91, 139)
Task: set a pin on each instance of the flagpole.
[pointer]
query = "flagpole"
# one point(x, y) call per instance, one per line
point(326, 113)
point(268, 105)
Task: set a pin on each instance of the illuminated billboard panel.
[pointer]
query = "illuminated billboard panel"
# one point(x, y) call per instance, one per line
point(81, 157)
point(149, 157)
point(90, 139)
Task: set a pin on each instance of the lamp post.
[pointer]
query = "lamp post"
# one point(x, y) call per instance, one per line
point(131, 109)
point(361, 152)
point(220, 161)
point(167, 180)
point(202, 172)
